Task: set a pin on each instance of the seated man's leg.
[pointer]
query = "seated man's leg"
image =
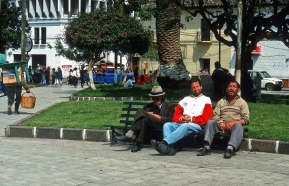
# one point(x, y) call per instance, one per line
point(235, 140)
point(212, 127)
point(162, 146)
point(175, 133)
point(181, 130)
point(236, 136)
point(169, 127)
point(141, 128)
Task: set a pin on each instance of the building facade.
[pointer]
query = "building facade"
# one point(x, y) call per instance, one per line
point(200, 49)
point(47, 19)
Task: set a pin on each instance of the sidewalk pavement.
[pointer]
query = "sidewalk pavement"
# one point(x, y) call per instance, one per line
point(55, 162)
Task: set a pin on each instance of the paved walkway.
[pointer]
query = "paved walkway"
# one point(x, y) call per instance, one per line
point(46, 162)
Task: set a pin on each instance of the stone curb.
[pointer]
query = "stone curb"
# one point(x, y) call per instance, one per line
point(248, 144)
point(58, 133)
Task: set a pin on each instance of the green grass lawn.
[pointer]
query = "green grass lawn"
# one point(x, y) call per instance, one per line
point(268, 121)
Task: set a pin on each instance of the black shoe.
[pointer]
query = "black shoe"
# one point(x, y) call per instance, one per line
point(166, 149)
point(122, 138)
point(136, 147)
point(156, 144)
point(204, 152)
point(228, 154)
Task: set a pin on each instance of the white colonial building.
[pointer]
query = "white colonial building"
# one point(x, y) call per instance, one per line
point(47, 19)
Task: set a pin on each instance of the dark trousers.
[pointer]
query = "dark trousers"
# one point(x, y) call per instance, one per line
point(75, 81)
point(82, 81)
point(142, 122)
point(47, 80)
point(13, 91)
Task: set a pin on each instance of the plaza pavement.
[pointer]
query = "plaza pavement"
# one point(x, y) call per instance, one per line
point(54, 162)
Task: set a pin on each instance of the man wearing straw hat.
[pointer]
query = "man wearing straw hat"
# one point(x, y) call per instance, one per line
point(14, 92)
point(153, 115)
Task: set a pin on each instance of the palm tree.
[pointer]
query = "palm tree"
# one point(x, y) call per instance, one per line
point(172, 70)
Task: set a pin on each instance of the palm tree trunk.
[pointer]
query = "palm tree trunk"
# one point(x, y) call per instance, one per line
point(172, 68)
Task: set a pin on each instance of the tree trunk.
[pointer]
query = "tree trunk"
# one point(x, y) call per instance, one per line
point(172, 72)
point(246, 59)
point(90, 67)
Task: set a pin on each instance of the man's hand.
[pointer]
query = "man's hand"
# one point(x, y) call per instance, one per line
point(223, 127)
point(229, 125)
point(155, 115)
point(186, 118)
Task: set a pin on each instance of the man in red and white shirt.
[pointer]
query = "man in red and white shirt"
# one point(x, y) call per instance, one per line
point(191, 114)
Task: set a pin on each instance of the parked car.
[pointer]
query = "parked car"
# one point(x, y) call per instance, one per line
point(267, 82)
point(108, 76)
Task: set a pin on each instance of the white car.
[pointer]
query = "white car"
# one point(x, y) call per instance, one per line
point(267, 81)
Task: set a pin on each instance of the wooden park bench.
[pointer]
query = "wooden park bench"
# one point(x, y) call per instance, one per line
point(193, 140)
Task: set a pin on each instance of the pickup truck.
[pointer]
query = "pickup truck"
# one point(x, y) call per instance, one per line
point(267, 82)
point(108, 77)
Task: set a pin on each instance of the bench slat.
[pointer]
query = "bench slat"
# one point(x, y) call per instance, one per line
point(134, 103)
point(127, 116)
point(130, 109)
point(126, 122)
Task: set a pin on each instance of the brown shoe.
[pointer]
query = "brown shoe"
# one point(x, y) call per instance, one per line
point(9, 109)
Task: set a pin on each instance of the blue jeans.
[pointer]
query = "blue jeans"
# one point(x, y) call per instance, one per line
point(174, 131)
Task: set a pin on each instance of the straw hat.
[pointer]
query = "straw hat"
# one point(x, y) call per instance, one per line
point(157, 91)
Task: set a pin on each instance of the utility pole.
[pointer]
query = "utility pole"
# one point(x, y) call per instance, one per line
point(239, 42)
point(23, 34)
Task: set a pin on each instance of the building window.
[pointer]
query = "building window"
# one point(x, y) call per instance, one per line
point(94, 5)
point(205, 31)
point(65, 7)
point(43, 35)
point(36, 36)
point(74, 9)
point(184, 51)
point(218, 12)
point(83, 6)
point(102, 4)
point(40, 33)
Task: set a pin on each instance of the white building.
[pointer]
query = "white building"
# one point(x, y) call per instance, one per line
point(47, 19)
point(272, 56)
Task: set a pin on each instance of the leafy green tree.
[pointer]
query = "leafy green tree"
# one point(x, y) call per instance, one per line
point(88, 36)
point(152, 53)
point(10, 26)
point(262, 19)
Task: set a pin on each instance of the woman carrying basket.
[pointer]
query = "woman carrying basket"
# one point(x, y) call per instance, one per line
point(13, 90)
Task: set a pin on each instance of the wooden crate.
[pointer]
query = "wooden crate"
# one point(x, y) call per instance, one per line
point(9, 75)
